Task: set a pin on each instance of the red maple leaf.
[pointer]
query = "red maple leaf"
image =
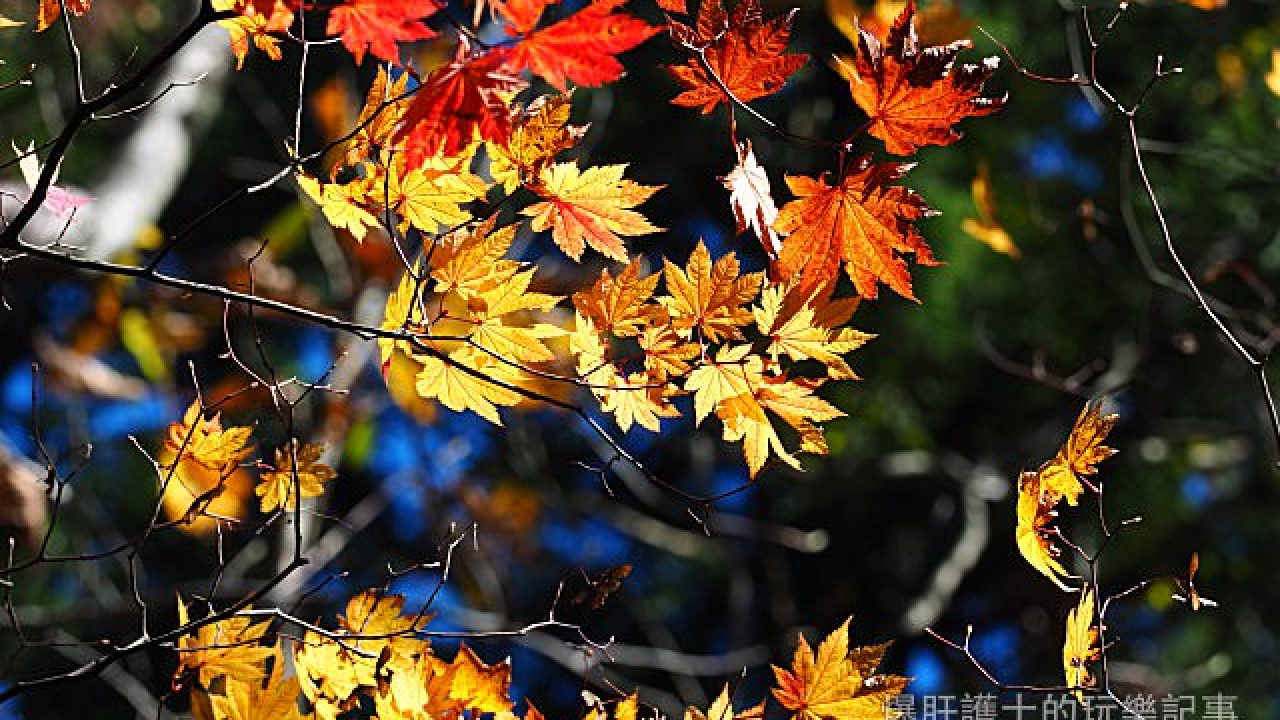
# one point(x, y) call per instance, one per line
point(862, 221)
point(582, 47)
point(456, 103)
point(521, 15)
point(746, 52)
point(914, 96)
point(377, 25)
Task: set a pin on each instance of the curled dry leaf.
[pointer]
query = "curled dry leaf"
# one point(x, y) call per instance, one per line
point(752, 201)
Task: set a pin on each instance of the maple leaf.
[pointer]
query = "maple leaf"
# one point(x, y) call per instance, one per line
point(639, 398)
point(276, 489)
point(430, 196)
point(470, 261)
point(254, 25)
point(457, 104)
point(591, 207)
point(230, 647)
point(51, 10)
point(1034, 514)
point(469, 379)
point(1081, 646)
point(806, 327)
point(582, 47)
point(722, 709)
point(709, 297)
point(521, 15)
point(619, 305)
point(746, 52)
point(752, 201)
point(340, 204)
point(277, 699)
point(377, 25)
point(835, 685)
point(985, 228)
point(205, 441)
point(541, 133)
point(736, 388)
point(1064, 476)
point(914, 96)
point(861, 221)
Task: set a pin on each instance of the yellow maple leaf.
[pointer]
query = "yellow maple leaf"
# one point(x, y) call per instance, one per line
point(1064, 476)
point(1035, 513)
point(722, 709)
point(200, 472)
point(206, 442)
point(276, 488)
point(832, 686)
point(590, 207)
point(619, 305)
point(807, 327)
point(710, 297)
point(736, 388)
point(277, 699)
point(470, 380)
point(430, 197)
point(340, 204)
point(253, 25)
point(232, 648)
point(1081, 645)
point(535, 139)
point(469, 261)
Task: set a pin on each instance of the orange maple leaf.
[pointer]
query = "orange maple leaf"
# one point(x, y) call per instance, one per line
point(746, 52)
point(862, 221)
point(836, 684)
point(912, 95)
point(457, 104)
point(51, 10)
point(590, 207)
point(377, 25)
point(582, 47)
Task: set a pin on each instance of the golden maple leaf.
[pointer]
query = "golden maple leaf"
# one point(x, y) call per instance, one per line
point(619, 305)
point(340, 204)
point(735, 386)
point(202, 480)
point(1064, 476)
point(722, 709)
point(1035, 513)
point(1081, 645)
point(205, 442)
point(807, 327)
point(469, 379)
point(590, 207)
point(276, 488)
point(232, 648)
point(835, 684)
point(253, 25)
point(430, 196)
point(470, 261)
point(709, 297)
point(277, 699)
point(535, 139)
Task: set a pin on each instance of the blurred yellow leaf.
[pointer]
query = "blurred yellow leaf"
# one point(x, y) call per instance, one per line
point(985, 228)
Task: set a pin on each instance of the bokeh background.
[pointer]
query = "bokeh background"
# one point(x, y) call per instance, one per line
point(908, 523)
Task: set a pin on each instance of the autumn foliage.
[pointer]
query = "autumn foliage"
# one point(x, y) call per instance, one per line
point(453, 164)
